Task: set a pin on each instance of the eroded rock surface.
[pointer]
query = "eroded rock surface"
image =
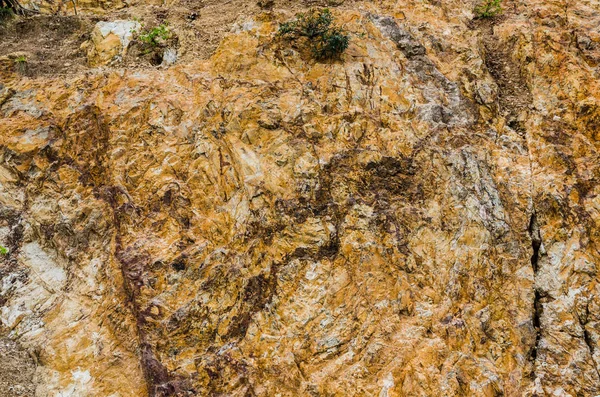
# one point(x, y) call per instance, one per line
point(420, 218)
point(109, 41)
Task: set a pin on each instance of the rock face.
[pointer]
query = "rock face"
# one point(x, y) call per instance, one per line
point(421, 218)
point(110, 40)
point(72, 6)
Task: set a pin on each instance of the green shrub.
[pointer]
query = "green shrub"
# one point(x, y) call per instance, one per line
point(21, 64)
point(310, 25)
point(3, 250)
point(488, 8)
point(153, 36)
point(333, 43)
point(316, 28)
point(5, 13)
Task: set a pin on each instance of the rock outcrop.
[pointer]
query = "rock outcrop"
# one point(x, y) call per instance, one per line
point(109, 41)
point(420, 218)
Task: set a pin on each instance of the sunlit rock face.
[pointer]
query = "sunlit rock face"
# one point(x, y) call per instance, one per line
point(419, 218)
point(109, 41)
point(100, 7)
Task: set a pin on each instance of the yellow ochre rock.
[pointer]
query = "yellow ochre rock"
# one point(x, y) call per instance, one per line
point(418, 218)
point(109, 41)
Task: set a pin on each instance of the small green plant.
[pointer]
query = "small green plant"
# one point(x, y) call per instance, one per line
point(21, 63)
point(154, 36)
point(3, 250)
point(5, 13)
point(332, 45)
point(488, 8)
point(310, 25)
point(316, 29)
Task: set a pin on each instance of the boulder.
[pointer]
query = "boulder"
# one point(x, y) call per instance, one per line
point(109, 41)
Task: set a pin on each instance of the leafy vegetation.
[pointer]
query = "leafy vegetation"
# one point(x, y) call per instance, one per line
point(3, 250)
point(153, 37)
point(316, 30)
point(5, 13)
point(488, 8)
point(21, 64)
point(154, 40)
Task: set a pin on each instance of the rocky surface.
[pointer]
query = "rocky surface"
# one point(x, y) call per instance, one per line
point(109, 41)
point(420, 218)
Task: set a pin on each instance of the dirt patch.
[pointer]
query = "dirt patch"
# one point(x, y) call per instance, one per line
point(18, 369)
point(50, 44)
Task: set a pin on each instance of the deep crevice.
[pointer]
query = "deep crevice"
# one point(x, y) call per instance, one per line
point(588, 340)
point(536, 243)
point(537, 312)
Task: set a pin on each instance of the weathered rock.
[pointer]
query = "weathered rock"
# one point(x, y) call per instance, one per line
point(169, 57)
point(109, 41)
point(73, 7)
point(420, 218)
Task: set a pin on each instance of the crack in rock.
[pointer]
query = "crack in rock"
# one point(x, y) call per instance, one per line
point(536, 243)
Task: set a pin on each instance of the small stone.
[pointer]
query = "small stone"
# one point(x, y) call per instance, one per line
point(169, 57)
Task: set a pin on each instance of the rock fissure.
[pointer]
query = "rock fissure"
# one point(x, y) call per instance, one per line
point(514, 98)
point(536, 243)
